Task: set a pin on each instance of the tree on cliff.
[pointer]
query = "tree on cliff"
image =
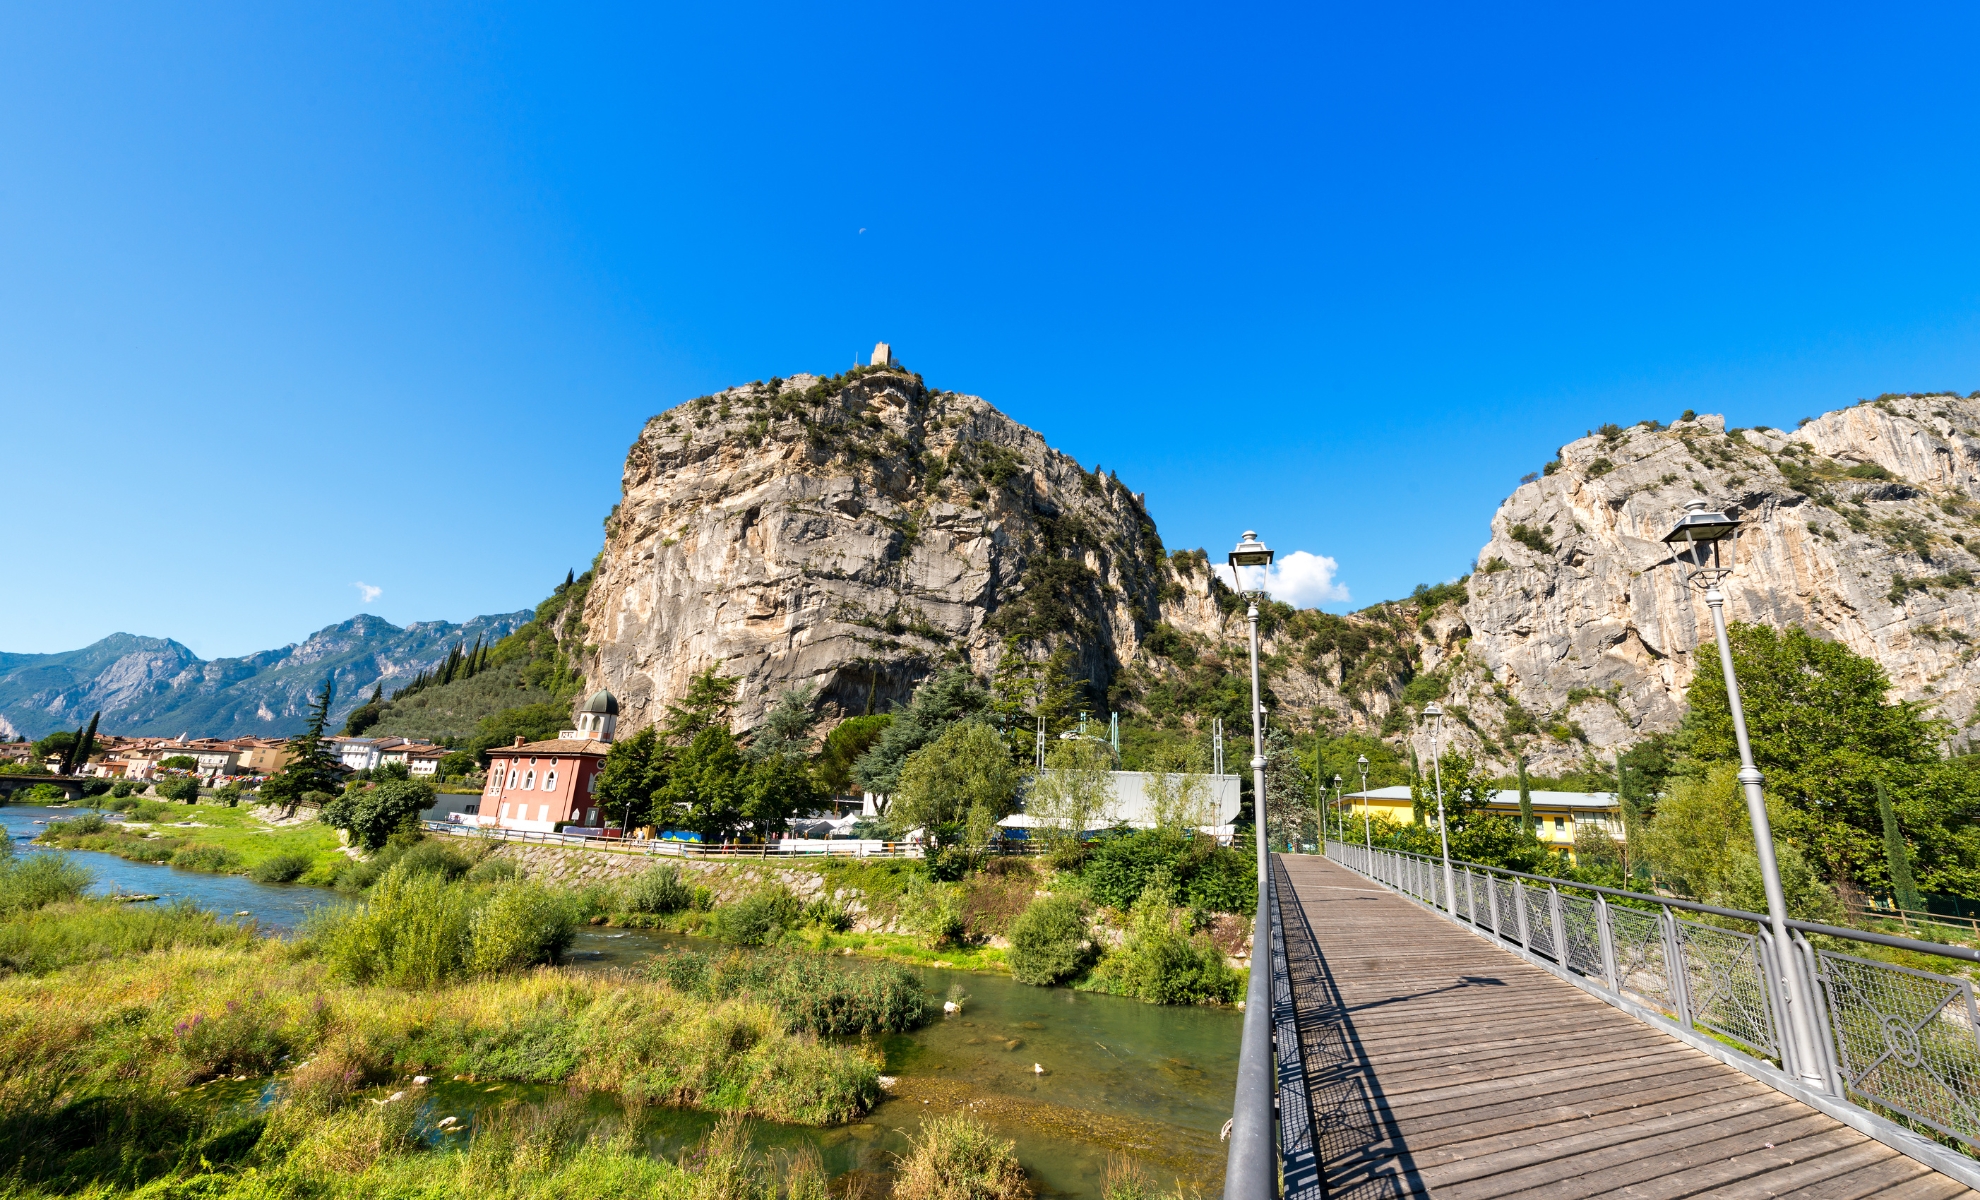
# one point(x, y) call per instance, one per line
point(1825, 733)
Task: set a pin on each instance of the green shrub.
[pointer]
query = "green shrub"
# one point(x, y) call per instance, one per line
point(704, 899)
point(148, 810)
point(1048, 941)
point(810, 992)
point(1210, 877)
point(494, 870)
point(281, 868)
point(122, 788)
point(40, 793)
point(180, 788)
point(828, 915)
point(31, 881)
point(414, 930)
point(520, 926)
point(758, 918)
point(122, 803)
point(373, 814)
point(79, 826)
point(201, 857)
point(658, 890)
point(1161, 962)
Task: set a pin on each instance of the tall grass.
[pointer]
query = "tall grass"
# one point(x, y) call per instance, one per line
point(29, 881)
point(68, 933)
point(956, 1157)
point(419, 929)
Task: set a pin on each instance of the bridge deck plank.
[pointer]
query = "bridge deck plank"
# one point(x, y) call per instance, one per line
point(1442, 1066)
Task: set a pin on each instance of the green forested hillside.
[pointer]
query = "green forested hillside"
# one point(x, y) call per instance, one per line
point(523, 684)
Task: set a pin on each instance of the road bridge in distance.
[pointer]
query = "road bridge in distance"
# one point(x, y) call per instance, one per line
point(1439, 1064)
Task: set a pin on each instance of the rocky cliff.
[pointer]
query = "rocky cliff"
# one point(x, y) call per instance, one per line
point(858, 532)
point(1580, 635)
point(855, 533)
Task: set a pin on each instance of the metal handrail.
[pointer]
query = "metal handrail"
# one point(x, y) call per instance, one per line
point(1891, 1039)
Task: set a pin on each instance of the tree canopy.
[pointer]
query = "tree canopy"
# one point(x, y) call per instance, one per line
point(957, 787)
point(938, 703)
point(1824, 733)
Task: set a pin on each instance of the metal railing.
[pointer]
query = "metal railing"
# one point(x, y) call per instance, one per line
point(665, 848)
point(1895, 1038)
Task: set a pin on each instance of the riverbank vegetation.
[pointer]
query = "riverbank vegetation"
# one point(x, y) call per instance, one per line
point(206, 837)
point(112, 1017)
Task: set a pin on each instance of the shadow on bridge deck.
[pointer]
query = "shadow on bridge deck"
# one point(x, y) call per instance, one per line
point(1442, 1066)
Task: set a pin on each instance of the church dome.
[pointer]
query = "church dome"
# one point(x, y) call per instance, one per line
point(602, 702)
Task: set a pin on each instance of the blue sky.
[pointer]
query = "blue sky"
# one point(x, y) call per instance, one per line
point(297, 298)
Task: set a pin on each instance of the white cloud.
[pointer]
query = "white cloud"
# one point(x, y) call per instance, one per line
point(1300, 579)
point(367, 593)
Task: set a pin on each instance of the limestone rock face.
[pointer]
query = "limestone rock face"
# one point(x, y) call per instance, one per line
point(1856, 527)
point(856, 533)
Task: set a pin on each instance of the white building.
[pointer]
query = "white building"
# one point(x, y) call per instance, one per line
point(1131, 803)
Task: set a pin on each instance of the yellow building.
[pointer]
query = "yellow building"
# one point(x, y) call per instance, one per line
point(1560, 814)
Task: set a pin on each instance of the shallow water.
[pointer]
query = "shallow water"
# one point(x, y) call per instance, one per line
point(277, 906)
point(1120, 1077)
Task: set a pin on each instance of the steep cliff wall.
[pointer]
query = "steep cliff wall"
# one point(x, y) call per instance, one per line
point(1856, 527)
point(856, 533)
point(859, 532)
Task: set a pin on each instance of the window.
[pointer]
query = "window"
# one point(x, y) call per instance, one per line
point(512, 783)
point(495, 780)
point(550, 785)
point(591, 787)
point(529, 781)
point(1560, 823)
point(591, 815)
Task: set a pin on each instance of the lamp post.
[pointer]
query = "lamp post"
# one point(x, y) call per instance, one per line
point(1252, 1170)
point(1435, 712)
point(1367, 838)
point(1695, 544)
point(1340, 816)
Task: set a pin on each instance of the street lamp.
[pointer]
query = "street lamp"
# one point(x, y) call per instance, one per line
point(1367, 838)
point(1695, 545)
point(1340, 818)
point(1252, 1171)
point(1435, 712)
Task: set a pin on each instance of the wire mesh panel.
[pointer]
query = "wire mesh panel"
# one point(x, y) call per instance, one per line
point(1727, 985)
point(1640, 958)
point(1464, 885)
point(1907, 1040)
point(1503, 906)
point(1584, 940)
point(1539, 922)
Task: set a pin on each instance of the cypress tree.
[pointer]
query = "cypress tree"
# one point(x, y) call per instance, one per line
point(1525, 800)
point(474, 659)
point(570, 577)
point(310, 767)
point(1903, 890)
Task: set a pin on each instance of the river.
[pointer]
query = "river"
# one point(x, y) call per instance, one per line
point(1119, 1077)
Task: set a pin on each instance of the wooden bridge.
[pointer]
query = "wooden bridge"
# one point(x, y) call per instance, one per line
point(1439, 1064)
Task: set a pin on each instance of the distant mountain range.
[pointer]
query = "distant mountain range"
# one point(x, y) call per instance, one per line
point(156, 687)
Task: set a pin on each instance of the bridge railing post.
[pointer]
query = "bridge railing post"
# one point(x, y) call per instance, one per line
point(1675, 972)
point(1559, 918)
point(1519, 914)
point(1606, 937)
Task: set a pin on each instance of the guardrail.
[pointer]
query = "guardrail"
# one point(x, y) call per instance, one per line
point(1895, 1039)
point(665, 848)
